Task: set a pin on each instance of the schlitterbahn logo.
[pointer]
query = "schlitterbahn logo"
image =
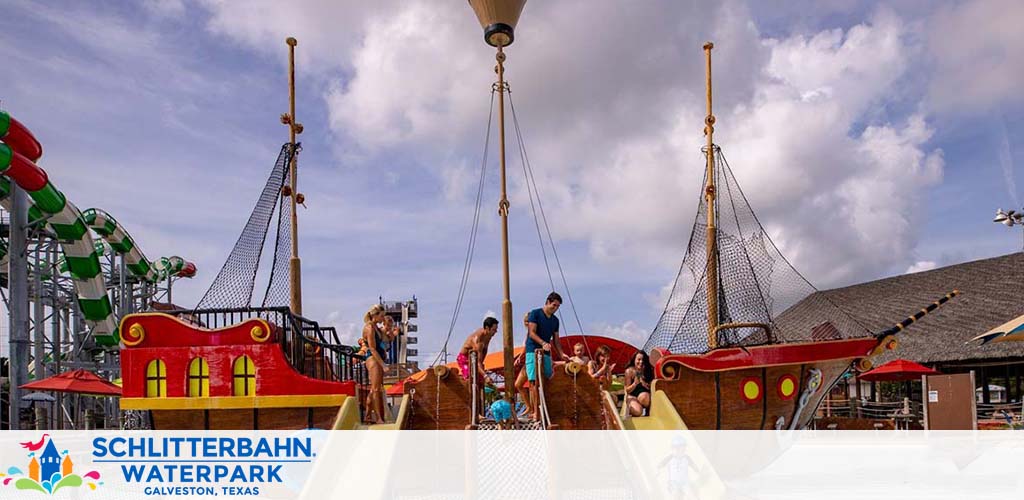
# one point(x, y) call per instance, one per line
point(48, 471)
point(203, 465)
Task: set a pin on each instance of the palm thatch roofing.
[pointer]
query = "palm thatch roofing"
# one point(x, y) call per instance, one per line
point(991, 293)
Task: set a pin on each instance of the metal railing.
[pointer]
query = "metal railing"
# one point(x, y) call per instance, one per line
point(312, 350)
point(852, 408)
point(1010, 413)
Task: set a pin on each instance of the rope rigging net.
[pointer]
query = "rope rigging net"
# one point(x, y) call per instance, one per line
point(233, 287)
point(756, 284)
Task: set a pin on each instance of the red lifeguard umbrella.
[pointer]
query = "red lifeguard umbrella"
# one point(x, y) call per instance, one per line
point(76, 381)
point(897, 370)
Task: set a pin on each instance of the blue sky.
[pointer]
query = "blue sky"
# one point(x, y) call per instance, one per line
point(870, 139)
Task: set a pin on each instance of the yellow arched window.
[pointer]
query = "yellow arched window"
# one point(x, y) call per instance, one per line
point(198, 378)
point(156, 379)
point(244, 377)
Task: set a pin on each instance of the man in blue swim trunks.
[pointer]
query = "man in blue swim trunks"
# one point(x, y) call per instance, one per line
point(542, 333)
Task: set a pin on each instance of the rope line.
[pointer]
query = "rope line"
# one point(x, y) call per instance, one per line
point(475, 389)
point(575, 402)
point(532, 184)
point(545, 419)
point(524, 161)
point(471, 246)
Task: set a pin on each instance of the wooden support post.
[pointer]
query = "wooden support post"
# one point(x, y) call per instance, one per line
point(711, 271)
point(294, 128)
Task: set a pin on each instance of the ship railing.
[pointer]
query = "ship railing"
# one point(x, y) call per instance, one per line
point(214, 318)
point(316, 352)
point(311, 349)
point(719, 332)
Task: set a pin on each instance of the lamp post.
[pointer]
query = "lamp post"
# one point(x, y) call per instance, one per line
point(1010, 219)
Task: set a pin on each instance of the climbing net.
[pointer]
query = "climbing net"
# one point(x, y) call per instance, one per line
point(756, 284)
point(233, 287)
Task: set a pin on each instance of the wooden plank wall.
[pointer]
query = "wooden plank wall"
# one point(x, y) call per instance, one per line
point(574, 406)
point(246, 418)
point(714, 400)
point(454, 412)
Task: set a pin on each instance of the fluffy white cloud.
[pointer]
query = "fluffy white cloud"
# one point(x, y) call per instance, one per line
point(348, 331)
point(921, 266)
point(326, 29)
point(836, 199)
point(628, 332)
point(614, 122)
point(415, 78)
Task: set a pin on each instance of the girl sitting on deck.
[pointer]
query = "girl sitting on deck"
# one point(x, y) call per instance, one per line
point(638, 384)
point(600, 368)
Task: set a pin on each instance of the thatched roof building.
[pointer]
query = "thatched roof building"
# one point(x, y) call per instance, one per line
point(991, 293)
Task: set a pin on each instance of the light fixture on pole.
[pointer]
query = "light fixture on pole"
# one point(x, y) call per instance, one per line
point(1010, 219)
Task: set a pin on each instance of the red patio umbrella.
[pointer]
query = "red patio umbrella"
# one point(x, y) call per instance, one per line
point(897, 370)
point(76, 381)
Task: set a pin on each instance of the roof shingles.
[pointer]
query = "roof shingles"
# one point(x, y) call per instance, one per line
point(991, 293)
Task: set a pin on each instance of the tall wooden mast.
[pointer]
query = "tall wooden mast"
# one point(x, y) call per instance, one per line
point(294, 128)
point(712, 230)
point(498, 19)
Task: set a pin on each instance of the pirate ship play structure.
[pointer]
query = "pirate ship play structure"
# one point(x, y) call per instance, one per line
point(743, 343)
point(755, 346)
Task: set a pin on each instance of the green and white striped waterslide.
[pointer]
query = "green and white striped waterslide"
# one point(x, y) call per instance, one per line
point(81, 252)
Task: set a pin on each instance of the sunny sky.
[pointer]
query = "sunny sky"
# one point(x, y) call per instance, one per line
point(871, 140)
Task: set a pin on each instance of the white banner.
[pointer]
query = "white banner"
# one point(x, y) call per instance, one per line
point(512, 464)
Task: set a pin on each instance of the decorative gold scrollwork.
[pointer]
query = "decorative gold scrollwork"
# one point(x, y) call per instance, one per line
point(134, 336)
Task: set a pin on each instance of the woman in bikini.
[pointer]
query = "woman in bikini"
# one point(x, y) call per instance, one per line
point(377, 341)
point(638, 384)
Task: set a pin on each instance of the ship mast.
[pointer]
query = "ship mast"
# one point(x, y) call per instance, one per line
point(498, 18)
point(712, 229)
point(294, 128)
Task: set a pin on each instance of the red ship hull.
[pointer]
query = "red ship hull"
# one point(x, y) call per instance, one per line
point(243, 380)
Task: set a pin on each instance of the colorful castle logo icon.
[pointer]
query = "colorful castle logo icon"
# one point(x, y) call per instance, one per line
point(49, 470)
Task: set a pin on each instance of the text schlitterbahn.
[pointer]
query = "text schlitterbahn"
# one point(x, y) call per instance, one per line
point(195, 465)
